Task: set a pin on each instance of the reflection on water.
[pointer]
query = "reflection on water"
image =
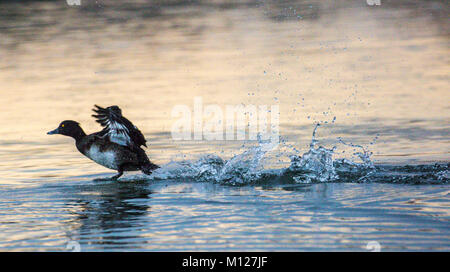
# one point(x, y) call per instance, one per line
point(204, 216)
point(111, 209)
point(381, 71)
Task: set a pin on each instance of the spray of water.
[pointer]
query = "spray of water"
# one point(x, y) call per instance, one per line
point(314, 166)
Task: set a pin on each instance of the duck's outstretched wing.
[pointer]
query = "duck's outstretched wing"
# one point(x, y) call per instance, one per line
point(118, 128)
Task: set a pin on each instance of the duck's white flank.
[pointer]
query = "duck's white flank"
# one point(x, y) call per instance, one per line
point(107, 159)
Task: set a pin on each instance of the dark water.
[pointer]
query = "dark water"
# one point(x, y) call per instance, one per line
point(375, 78)
point(176, 216)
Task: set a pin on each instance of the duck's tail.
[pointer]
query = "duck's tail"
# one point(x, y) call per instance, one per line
point(149, 167)
point(146, 165)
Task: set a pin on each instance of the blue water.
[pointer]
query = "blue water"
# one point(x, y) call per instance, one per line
point(376, 170)
point(192, 216)
point(211, 204)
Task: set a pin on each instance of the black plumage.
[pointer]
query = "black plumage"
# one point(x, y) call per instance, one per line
point(117, 146)
point(118, 128)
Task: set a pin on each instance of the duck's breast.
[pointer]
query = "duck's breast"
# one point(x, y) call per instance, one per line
point(107, 158)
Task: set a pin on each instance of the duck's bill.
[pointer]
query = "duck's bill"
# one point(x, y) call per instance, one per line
point(56, 131)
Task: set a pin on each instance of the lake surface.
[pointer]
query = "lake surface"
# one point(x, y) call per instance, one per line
point(376, 79)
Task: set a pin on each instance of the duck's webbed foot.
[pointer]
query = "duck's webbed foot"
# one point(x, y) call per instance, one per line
point(111, 178)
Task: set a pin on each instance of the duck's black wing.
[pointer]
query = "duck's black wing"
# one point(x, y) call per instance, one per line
point(118, 128)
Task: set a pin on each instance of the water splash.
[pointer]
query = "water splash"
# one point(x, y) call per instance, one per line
point(364, 155)
point(241, 169)
point(245, 167)
point(314, 166)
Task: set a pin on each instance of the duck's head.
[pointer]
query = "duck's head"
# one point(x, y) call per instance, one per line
point(68, 128)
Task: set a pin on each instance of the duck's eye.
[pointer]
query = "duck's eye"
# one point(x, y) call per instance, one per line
point(62, 125)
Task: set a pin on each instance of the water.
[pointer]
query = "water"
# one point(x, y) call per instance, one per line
point(374, 78)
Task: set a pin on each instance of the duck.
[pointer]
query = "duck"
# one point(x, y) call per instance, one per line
point(117, 146)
